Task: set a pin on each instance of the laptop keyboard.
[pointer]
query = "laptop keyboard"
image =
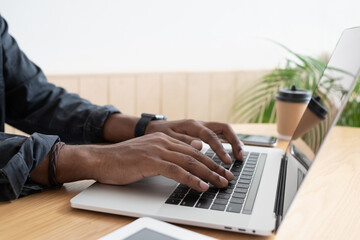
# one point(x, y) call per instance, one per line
point(240, 194)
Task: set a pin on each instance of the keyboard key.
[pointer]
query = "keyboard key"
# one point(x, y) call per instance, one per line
point(223, 196)
point(244, 181)
point(226, 166)
point(217, 160)
point(210, 151)
point(250, 169)
point(218, 207)
point(233, 207)
point(246, 177)
point(173, 201)
point(236, 174)
point(189, 201)
point(193, 192)
point(238, 164)
point(208, 195)
point(181, 190)
point(221, 201)
point(239, 195)
point(242, 185)
point(240, 190)
point(251, 164)
point(209, 154)
point(204, 203)
point(177, 195)
point(212, 189)
point(235, 170)
point(237, 200)
point(249, 173)
point(225, 190)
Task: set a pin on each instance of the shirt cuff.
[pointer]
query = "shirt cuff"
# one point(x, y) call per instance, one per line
point(32, 152)
point(93, 129)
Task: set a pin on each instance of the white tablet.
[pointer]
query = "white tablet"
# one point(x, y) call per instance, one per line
point(152, 229)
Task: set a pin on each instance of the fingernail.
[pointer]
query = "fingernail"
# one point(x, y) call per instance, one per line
point(204, 186)
point(224, 181)
point(229, 175)
point(242, 153)
point(228, 158)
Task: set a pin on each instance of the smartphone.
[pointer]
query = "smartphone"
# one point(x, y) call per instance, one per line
point(258, 140)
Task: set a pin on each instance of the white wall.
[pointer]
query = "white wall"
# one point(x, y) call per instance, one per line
point(96, 36)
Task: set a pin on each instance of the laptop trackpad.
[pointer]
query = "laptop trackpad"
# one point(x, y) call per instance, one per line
point(138, 199)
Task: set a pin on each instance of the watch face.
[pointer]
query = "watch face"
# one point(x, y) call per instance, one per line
point(153, 116)
point(160, 117)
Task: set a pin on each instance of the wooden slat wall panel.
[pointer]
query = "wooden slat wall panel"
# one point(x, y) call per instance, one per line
point(69, 83)
point(122, 90)
point(174, 92)
point(198, 96)
point(243, 81)
point(222, 96)
point(148, 94)
point(95, 89)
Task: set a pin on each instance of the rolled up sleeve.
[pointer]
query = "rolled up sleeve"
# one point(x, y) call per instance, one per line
point(19, 156)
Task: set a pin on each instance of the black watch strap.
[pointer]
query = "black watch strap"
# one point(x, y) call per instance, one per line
point(144, 121)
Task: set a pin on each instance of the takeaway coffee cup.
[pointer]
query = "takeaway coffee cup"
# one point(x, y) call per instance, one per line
point(290, 106)
point(313, 115)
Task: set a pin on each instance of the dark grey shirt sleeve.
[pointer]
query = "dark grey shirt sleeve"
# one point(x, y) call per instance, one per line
point(19, 156)
point(30, 103)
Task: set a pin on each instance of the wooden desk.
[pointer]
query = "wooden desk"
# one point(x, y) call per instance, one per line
point(328, 205)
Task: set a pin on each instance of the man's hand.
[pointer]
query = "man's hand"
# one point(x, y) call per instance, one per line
point(190, 131)
point(158, 154)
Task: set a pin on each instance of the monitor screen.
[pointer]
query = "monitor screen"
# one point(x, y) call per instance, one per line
point(329, 98)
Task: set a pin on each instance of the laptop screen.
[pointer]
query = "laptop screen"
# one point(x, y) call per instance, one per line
point(329, 98)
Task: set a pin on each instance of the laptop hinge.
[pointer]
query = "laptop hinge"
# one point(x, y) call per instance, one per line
point(280, 192)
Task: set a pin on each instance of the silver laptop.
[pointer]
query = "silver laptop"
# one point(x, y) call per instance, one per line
point(265, 183)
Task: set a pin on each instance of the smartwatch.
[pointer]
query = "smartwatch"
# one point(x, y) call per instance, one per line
point(144, 121)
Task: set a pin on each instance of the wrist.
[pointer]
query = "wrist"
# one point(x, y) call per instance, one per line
point(119, 127)
point(153, 126)
point(75, 163)
point(146, 118)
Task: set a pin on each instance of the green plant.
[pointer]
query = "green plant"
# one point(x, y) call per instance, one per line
point(257, 104)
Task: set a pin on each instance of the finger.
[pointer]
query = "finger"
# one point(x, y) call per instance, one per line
point(229, 135)
point(197, 144)
point(182, 137)
point(197, 129)
point(212, 139)
point(181, 147)
point(173, 171)
point(189, 154)
point(198, 169)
